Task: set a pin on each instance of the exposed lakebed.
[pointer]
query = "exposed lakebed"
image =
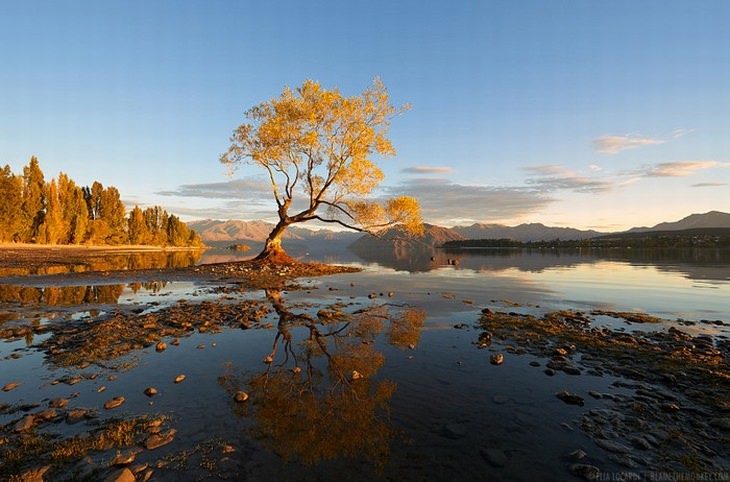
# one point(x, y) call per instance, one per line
point(377, 374)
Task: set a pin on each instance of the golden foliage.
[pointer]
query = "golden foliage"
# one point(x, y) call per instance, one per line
point(319, 143)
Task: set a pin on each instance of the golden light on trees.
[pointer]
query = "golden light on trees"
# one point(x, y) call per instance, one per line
point(316, 147)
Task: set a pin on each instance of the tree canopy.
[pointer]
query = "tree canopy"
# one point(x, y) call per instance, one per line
point(60, 212)
point(316, 146)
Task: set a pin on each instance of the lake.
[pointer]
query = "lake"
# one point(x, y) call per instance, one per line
point(377, 374)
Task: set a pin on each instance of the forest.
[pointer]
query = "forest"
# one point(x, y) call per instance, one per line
point(35, 211)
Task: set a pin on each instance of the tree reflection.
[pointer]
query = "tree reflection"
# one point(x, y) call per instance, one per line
point(319, 398)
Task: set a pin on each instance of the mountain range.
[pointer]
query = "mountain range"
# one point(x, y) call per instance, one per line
point(224, 233)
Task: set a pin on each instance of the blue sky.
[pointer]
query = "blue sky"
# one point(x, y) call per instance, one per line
point(602, 115)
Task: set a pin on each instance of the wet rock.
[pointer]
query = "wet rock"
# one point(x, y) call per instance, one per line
point(11, 386)
point(161, 346)
point(58, 403)
point(121, 475)
point(200, 347)
point(114, 402)
point(496, 359)
point(126, 457)
point(269, 359)
point(571, 370)
point(612, 446)
point(75, 416)
point(24, 424)
point(585, 471)
point(179, 378)
point(47, 414)
point(460, 326)
point(571, 398)
point(549, 372)
point(640, 443)
point(240, 396)
point(721, 423)
point(577, 454)
point(150, 391)
point(595, 395)
point(356, 375)
point(158, 440)
point(494, 456)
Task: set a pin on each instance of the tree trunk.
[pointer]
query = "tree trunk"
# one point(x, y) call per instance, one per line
point(273, 251)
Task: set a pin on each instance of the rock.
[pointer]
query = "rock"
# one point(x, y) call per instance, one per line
point(121, 475)
point(24, 424)
point(571, 370)
point(587, 472)
point(200, 347)
point(126, 457)
point(356, 375)
point(75, 416)
point(570, 398)
point(640, 443)
point(534, 363)
point(158, 440)
point(596, 395)
point(58, 403)
point(495, 457)
point(240, 396)
point(496, 359)
point(611, 446)
point(150, 391)
point(47, 414)
point(114, 402)
point(161, 346)
point(269, 359)
point(11, 386)
point(179, 378)
point(549, 372)
point(577, 454)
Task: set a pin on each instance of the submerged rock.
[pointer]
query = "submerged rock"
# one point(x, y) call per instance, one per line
point(114, 402)
point(571, 398)
point(240, 396)
point(496, 359)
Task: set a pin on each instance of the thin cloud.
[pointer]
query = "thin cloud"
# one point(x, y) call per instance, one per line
point(556, 178)
point(616, 144)
point(679, 169)
point(444, 202)
point(677, 133)
point(233, 189)
point(427, 170)
point(709, 184)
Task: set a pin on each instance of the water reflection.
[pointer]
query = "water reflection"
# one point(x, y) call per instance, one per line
point(98, 260)
point(692, 263)
point(319, 397)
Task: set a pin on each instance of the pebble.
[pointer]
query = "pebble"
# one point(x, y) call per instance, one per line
point(588, 472)
point(24, 424)
point(179, 378)
point(11, 386)
point(356, 375)
point(161, 346)
point(496, 359)
point(240, 396)
point(495, 457)
point(158, 440)
point(121, 475)
point(150, 391)
point(125, 458)
point(58, 403)
point(114, 402)
point(570, 398)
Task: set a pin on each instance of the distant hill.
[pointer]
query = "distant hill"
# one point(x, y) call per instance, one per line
point(219, 233)
point(396, 238)
point(712, 219)
point(522, 232)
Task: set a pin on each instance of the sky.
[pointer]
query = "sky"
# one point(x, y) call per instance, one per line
point(588, 114)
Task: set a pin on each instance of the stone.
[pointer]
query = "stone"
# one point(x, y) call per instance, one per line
point(150, 391)
point(24, 424)
point(11, 386)
point(75, 416)
point(126, 457)
point(721, 423)
point(611, 446)
point(571, 370)
point(586, 471)
point(34, 475)
point(577, 454)
point(549, 372)
point(161, 346)
point(114, 402)
point(494, 456)
point(179, 378)
point(240, 396)
point(496, 359)
point(158, 440)
point(58, 403)
point(571, 398)
point(121, 475)
point(47, 414)
point(356, 375)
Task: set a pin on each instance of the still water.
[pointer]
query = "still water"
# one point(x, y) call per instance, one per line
point(430, 406)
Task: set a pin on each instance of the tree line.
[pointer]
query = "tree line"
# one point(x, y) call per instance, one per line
point(61, 212)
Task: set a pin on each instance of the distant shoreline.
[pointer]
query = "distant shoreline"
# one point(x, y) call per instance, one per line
point(96, 248)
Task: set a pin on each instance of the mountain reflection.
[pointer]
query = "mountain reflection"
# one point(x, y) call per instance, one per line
point(72, 295)
point(319, 397)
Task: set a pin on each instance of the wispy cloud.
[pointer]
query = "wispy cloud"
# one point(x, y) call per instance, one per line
point(616, 144)
point(709, 184)
point(444, 202)
point(680, 168)
point(427, 170)
point(677, 133)
point(248, 189)
point(555, 177)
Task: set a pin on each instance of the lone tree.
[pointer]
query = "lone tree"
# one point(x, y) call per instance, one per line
point(316, 147)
